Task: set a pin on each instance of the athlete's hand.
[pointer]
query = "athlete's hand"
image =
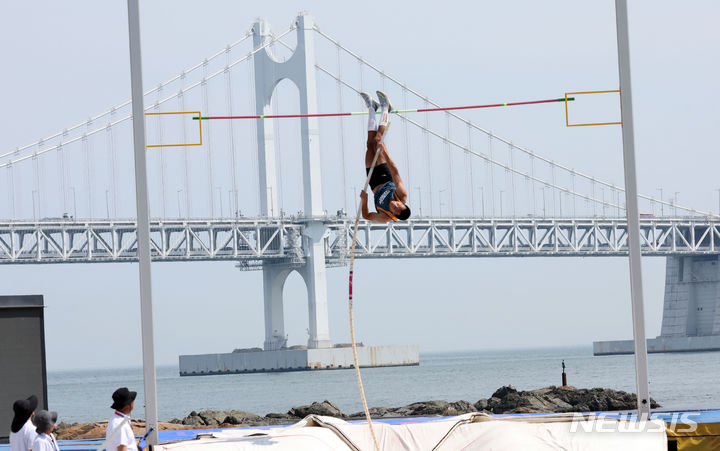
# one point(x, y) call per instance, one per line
point(363, 196)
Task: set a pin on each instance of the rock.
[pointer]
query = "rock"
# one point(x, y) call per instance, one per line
point(280, 418)
point(462, 407)
point(193, 420)
point(236, 417)
point(325, 408)
point(560, 399)
point(427, 408)
point(493, 404)
point(376, 412)
point(504, 391)
point(212, 417)
point(481, 405)
point(61, 426)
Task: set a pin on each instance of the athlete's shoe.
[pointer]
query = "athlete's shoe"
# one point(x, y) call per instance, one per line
point(384, 100)
point(369, 101)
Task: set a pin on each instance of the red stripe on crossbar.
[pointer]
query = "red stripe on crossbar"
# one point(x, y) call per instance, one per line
point(491, 105)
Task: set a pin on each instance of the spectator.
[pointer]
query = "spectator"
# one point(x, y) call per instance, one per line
point(45, 423)
point(22, 431)
point(119, 435)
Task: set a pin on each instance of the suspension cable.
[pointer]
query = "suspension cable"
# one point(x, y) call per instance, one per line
point(208, 137)
point(342, 132)
point(485, 157)
point(522, 149)
point(159, 128)
point(550, 162)
point(19, 150)
point(126, 103)
point(186, 180)
point(231, 135)
point(61, 177)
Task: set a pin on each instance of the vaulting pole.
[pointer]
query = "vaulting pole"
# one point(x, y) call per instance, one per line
point(633, 220)
point(143, 223)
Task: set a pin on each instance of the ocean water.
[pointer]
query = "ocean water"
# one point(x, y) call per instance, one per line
point(680, 380)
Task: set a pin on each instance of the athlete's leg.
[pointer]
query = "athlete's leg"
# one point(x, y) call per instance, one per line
point(372, 131)
point(372, 106)
point(385, 108)
point(370, 156)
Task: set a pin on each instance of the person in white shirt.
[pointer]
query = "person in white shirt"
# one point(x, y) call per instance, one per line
point(44, 422)
point(119, 435)
point(22, 431)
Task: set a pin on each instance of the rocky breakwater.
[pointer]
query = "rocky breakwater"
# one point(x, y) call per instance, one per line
point(224, 418)
point(503, 401)
point(558, 399)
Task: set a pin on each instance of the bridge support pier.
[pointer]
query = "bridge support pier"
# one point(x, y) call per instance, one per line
point(313, 273)
point(274, 277)
point(692, 297)
point(691, 312)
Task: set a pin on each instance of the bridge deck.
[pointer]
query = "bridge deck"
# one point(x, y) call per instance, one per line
point(254, 241)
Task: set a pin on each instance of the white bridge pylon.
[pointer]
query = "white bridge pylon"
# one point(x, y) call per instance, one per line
point(300, 69)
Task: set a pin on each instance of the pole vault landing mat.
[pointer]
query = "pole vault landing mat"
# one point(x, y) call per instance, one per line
point(475, 431)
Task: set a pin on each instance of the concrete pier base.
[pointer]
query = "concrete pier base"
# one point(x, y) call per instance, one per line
point(691, 312)
point(297, 360)
point(659, 344)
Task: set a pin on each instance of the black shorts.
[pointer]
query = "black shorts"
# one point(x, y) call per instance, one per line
point(381, 174)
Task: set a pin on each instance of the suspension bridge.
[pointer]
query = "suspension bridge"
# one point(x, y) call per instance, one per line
point(272, 193)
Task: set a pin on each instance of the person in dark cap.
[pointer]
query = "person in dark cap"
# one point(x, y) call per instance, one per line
point(44, 422)
point(119, 435)
point(22, 431)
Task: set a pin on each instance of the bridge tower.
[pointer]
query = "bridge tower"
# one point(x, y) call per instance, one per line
point(692, 298)
point(691, 312)
point(300, 69)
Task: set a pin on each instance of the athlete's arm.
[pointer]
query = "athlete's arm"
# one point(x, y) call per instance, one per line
point(400, 192)
point(366, 214)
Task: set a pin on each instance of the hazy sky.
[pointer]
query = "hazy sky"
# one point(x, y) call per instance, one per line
point(65, 61)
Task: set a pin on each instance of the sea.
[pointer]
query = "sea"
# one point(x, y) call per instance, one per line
point(685, 381)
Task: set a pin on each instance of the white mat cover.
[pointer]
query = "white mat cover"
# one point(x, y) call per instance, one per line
point(572, 432)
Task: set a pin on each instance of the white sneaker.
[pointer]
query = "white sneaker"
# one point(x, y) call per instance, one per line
point(384, 100)
point(369, 101)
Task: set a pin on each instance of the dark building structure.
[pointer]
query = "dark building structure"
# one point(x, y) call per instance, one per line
point(22, 355)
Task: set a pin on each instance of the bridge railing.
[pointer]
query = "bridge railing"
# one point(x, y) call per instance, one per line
point(67, 241)
point(522, 237)
point(253, 242)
